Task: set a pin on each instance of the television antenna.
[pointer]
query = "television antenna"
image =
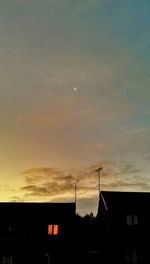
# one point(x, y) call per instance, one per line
point(99, 178)
point(75, 193)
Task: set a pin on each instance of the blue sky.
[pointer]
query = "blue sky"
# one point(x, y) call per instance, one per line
point(49, 47)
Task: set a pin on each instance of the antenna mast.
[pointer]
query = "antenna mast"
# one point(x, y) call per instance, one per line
point(75, 195)
point(99, 179)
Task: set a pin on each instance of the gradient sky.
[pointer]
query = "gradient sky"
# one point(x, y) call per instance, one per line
point(74, 95)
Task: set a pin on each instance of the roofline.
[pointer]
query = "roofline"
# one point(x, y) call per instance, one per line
point(137, 192)
point(105, 205)
point(37, 203)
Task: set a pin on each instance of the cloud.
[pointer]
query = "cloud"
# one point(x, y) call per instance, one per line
point(16, 198)
point(34, 190)
point(129, 169)
point(35, 175)
point(50, 182)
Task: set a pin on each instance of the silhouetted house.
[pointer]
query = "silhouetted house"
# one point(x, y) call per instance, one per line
point(87, 248)
point(36, 233)
point(124, 223)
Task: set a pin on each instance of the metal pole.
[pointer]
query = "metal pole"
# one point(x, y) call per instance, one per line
point(99, 179)
point(75, 196)
point(75, 193)
point(99, 176)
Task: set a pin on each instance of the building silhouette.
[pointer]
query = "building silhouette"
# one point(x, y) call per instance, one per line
point(124, 227)
point(52, 233)
point(36, 232)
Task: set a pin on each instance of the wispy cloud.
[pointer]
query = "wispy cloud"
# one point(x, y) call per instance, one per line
point(56, 185)
point(51, 183)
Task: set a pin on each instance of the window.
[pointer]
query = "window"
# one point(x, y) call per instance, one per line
point(53, 230)
point(50, 229)
point(7, 259)
point(127, 257)
point(132, 256)
point(132, 219)
point(135, 219)
point(129, 219)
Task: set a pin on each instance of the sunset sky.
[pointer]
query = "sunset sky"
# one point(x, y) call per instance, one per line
point(74, 96)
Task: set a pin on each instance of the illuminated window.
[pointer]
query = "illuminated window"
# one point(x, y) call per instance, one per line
point(50, 229)
point(7, 259)
point(53, 230)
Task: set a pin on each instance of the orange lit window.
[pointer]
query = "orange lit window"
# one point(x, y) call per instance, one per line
point(50, 229)
point(53, 230)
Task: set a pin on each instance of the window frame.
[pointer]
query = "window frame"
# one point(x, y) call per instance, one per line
point(132, 219)
point(7, 259)
point(53, 229)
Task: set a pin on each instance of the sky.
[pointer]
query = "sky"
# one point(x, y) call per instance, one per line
point(74, 96)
